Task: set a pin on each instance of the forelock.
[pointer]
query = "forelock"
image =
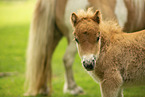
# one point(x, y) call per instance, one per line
point(85, 14)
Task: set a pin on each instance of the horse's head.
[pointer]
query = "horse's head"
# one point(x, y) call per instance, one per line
point(87, 37)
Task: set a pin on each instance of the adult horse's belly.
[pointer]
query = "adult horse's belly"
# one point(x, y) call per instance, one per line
point(73, 6)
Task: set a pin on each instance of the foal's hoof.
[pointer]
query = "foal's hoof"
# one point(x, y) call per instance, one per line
point(74, 91)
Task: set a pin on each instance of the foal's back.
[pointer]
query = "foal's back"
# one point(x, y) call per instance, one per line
point(129, 54)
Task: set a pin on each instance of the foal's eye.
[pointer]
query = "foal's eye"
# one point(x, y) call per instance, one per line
point(98, 39)
point(76, 40)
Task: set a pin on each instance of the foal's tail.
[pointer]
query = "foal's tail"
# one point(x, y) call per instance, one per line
point(38, 69)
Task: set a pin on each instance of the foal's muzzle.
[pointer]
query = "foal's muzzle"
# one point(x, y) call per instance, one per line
point(89, 64)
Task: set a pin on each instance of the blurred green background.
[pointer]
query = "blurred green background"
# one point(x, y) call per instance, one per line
point(15, 18)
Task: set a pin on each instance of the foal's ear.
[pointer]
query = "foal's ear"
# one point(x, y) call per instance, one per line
point(97, 16)
point(74, 19)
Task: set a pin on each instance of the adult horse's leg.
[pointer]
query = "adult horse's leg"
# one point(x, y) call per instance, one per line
point(70, 84)
point(47, 71)
point(40, 48)
point(136, 12)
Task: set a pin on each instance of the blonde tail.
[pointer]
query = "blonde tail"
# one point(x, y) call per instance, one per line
point(38, 68)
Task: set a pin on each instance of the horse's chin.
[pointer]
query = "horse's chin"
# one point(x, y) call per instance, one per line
point(90, 69)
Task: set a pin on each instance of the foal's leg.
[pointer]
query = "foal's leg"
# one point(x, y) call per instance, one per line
point(70, 84)
point(111, 85)
point(120, 93)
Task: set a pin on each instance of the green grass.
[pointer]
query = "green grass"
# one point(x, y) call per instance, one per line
point(15, 20)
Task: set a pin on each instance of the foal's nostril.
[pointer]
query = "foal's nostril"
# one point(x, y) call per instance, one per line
point(84, 64)
point(93, 62)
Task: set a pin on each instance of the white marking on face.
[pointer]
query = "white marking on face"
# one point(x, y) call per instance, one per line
point(77, 45)
point(88, 57)
point(121, 12)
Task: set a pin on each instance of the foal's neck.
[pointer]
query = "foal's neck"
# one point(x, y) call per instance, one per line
point(108, 29)
point(105, 39)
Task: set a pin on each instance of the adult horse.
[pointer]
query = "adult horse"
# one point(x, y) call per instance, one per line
point(51, 22)
point(113, 58)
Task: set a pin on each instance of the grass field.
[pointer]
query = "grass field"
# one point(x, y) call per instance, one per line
point(15, 20)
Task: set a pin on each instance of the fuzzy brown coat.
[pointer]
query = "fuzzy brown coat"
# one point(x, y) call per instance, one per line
point(121, 56)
